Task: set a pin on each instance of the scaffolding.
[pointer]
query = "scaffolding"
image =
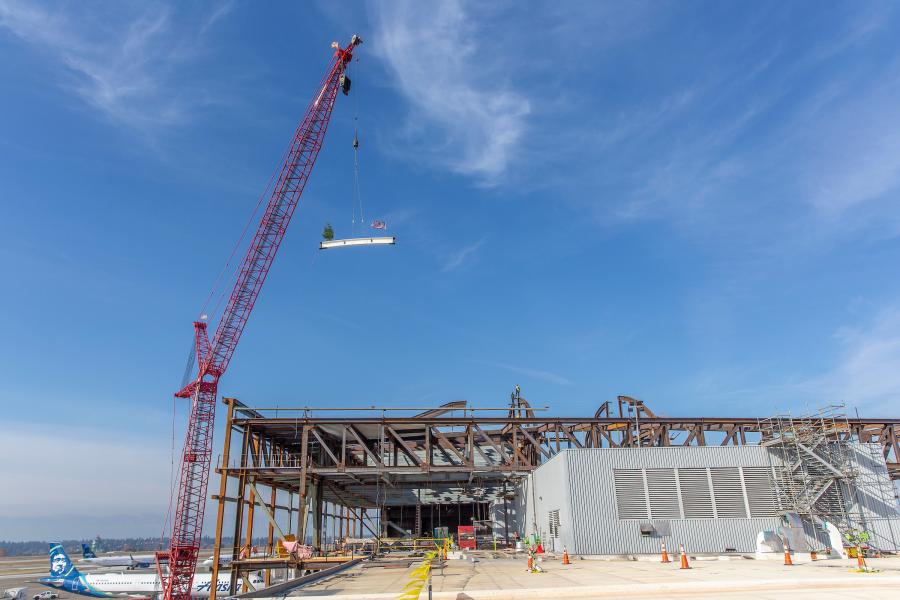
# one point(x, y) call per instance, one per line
point(814, 468)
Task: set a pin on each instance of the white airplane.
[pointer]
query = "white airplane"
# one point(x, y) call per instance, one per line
point(225, 561)
point(140, 561)
point(64, 576)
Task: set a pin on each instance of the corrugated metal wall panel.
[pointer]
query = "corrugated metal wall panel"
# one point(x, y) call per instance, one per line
point(582, 484)
point(598, 530)
point(874, 505)
point(546, 491)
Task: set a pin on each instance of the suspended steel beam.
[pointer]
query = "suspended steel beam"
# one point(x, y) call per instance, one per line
point(371, 241)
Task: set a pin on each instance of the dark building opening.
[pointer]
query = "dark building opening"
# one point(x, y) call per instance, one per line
point(422, 520)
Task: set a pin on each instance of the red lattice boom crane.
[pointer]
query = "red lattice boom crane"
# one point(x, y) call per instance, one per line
point(213, 358)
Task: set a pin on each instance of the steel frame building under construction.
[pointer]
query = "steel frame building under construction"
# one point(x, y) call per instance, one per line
point(375, 475)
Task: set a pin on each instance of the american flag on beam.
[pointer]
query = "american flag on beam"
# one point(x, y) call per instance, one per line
point(379, 225)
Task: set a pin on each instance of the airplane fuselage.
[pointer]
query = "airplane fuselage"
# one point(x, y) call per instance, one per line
point(106, 585)
point(121, 561)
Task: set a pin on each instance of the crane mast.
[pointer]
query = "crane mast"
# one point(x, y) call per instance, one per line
point(213, 357)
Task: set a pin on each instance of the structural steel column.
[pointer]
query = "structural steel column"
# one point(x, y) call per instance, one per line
point(505, 514)
point(270, 541)
point(317, 516)
point(251, 510)
point(304, 459)
point(223, 487)
point(290, 512)
point(239, 509)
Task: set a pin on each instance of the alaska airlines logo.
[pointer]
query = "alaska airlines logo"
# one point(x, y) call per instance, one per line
point(221, 586)
point(59, 564)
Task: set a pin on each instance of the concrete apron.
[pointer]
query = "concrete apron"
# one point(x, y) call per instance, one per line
point(800, 557)
point(663, 590)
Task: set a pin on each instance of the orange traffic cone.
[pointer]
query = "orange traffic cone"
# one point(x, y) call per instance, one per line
point(684, 562)
point(665, 554)
point(860, 561)
point(787, 557)
point(566, 556)
point(530, 563)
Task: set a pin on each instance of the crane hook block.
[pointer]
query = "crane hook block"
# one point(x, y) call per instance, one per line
point(345, 84)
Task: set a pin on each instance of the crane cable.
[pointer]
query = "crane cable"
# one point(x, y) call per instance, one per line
point(357, 197)
point(228, 263)
point(167, 520)
point(357, 200)
point(189, 364)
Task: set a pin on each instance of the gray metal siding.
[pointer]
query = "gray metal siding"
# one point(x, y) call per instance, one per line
point(545, 493)
point(600, 531)
point(874, 507)
point(715, 487)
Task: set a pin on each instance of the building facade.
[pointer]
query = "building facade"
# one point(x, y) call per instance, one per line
point(620, 501)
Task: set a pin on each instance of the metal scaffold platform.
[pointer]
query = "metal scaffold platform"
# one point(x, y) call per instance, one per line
point(815, 474)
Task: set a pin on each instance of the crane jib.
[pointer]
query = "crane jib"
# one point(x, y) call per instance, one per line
point(213, 358)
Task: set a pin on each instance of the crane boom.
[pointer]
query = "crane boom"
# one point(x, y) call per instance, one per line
point(213, 358)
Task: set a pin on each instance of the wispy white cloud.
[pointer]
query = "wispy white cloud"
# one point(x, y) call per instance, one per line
point(868, 20)
point(458, 101)
point(735, 150)
point(112, 486)
point(537, 374)
point(219, 12)
point(863, 374)
point(867, 374)
point(119, 63)
point(77, 462)
point(851, 154)
point(458, 258)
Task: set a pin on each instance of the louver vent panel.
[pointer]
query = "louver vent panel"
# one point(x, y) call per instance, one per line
point(760, 497)
point(663, 492)
point(729, 493)
point(695, 495)
point(631, 500)
point(554, 523)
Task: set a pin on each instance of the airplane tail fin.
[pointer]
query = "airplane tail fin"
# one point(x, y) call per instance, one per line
point(60, 565)
point(86, 551)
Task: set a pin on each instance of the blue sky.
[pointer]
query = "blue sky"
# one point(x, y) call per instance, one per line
point(692, 203)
